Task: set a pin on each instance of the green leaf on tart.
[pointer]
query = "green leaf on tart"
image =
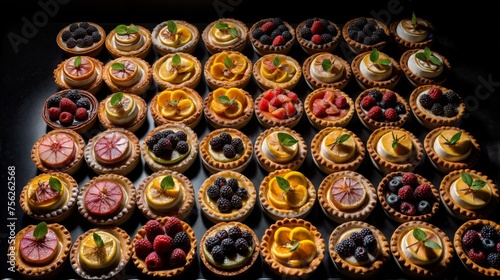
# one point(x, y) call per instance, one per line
point(225, 100)
point(286, 139)
point(176, 60)
point(167, 182)
point(119, 66)
point(123, 29)
point(427, 56)
point(78, 61)
point(413, 19)
point(221, 25)
point(341, 139)
point(98, 240)
point(474, 184)
point(55, 184)
point(132, 29)
point(375, 58)
point(276, 61)
point(422, 237)
point(116, 98)
point(234, 32)
point(327, 65)
point(40, 231)
point(172, 27)
point(395, 140)
point(295, 246)
point(283, 183)
point(454, 139)
point(228, 62)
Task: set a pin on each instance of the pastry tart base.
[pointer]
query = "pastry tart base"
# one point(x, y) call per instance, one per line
point(142, 52)
point(366, 83)
point(91, 51)
point(134, 125)
point(138, 88)
point(94, 87)
point(417, 81)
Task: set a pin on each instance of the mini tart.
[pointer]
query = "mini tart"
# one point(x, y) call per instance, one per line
point(166, 273)
point(282, 115)
point(184, 40)
point(462, 251)
point(416, 79)
point(407, 36)
point(209, 206)
point(328, 27)
point(459, 207)
point(87, 76)
point(264, 48)
point(287, 271)
point(136, 44)
point(317, 76)
point(270, 162)
point(349, 266)
point(358, 69)
point(429, 119)
point(114, 150)
point(285, 67)
point(157, 164)
point(50, 269)
point(373, 124)
point(383, 191)
point(187, 73)
point(406, 161)
point(332, 156)
point(327, 114)
point(131, 121)
point(177, 114)
point(125, 251)
point(93, 50)
point(135, 77)
point(217, 35)
point(79, 126)
point(227, 69)
point(124, 200)
point(179, 206)
point(215, 161)
point(67, 158)
point(57, 210)
point(447, 157)
point(272, 210)
point(409, 267)
point(251, 257)
point(220, 114)
point(357, 47)
point(362, 191)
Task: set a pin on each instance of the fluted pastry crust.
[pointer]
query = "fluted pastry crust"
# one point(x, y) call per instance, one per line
point(315, 84)
point(319, 122)
point(192, 82)
point(417, 81)
point(310, 48)
point(138, 88)
point(365, 83)
point(142, 52)
point(263, 49)
point(133, 126)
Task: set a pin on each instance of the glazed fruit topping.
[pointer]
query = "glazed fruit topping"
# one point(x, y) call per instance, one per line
point(294, 247)
point(383, 106)
point(164, 143)
point(229, 248)
point(288, 191)
point(318, 30)
point(366, 31)
point(229, 145)
point(104, 198)
point(439, 103)
point(482, 245)
point(229, 102)
point(69, 109)
point(270, 30)
point(227, 194)
point(407, 195)
point(39, 246)
point(281, 103)
point(81, 34)
point(330, 104)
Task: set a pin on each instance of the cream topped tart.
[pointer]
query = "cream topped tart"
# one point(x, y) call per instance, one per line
point(276, 70)
point(228, 107)
point(424, 67)
point(412, 32)
point(327, 107)
point(375, 69)
point(325, 69)
point(128, 74)
point(129, 40)
point(80, 72)
point(122, 110)
point(225, 34)
point(177, 105)
point(177, 69)
point(175, 36)
point(228, 69)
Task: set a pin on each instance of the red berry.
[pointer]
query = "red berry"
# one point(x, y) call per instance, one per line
point(264, 105)
point(54, 113)
point(435, 94)
point(267, 27)
point(340, 102)
point(389, 97)
point(375, 112)
point(279, 113)
point(173, 226)
point(476, 255)
point(67, 105)
point(367, 102)
point(316, 38)
point(154, 261)
point(406, 193)
point(391, 115)
point(177, 258)
point(423, 191)
point(162, 244)
point(290, 109)
point(317, 27)
point(142, 248)
point(66, 118)
point(471, 238)
point(153, 228)
point(293, 96)
point(278, 90)
point(81, 114)
point(276, 102)
point(278, 40)
point(409, 178)
point(407, 208)
point(269, 94)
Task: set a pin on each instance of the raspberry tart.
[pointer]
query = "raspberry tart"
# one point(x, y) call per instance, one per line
point(277, 70)
point(129, 40)
point(412, 33)
point(278, 107)
point(177, 70)
point(265, 39)
point(173, 36)
point(328, 107)
point(81, 38)
point(122, 110)
point(358, 249)
point(225, 34)
point(80, 72)
point(424, 67)
point(326, 70)
point(375, 69)
point(227, 196)
point(180, 105)
point(228, 107)
point(128, 74)
point(318, 35)
point(346, 196)
point(228, 69)
point(364, 34)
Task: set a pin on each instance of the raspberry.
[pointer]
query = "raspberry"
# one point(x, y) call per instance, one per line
point(177, 258)
point(267, 27)
point(67, 105)
point(406, 193)
point(435, 94)
point(81, 114)
point(66, 118)
point(162, 243)
point(389, 97)
point(409, 178)
point(172, 226)
point(476, 255)
point(316, 38)
point(423, 191)
point(367, 102)
point(391, 115)
point(278, 41)
point(340, 102)
point(142, 248)
point(317, 27)
point(375, 112)
point(54, 113)
point(153, 228)
point(154, 261)
point(407, 208)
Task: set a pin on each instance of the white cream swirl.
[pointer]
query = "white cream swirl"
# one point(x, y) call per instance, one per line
point(375, 71)
point(423, 68)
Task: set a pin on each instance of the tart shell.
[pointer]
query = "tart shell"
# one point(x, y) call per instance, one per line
point(92, 51)
point(189, 47)
point(263, 49)
point(356, 47)
point(214, 83)
point(142, 52)
point(222, 121)
point(138, 88)
point(324, 122)
point(93, 87)
point(310, 48)
point(192, 82)
point(238, 46)
point(133, 126)
point(191, 121)
point(365, 83)
point(417, 81)
point(315, 84)
point(405, 45)
point(266, 84)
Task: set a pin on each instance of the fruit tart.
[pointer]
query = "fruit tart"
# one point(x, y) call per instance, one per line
point(80, 72)
point(165, 193)
point(421, 249)
point(337, 149)
point(358, 249)
point(101, 253)
point(81, 38)
point(326, 70)
point(277, 70)
point(41, 251)
point(272, 35)
point(328, 107)
point(394, 149)
point(164, 247)
point(177, 70)
point(129, 74)
point(180, 105)
point(278, 107)
point(346, 196)
point(408, 196)
point(49, 197)
point(129, 40)
point(450, 148)
point(292, 248)
point(226, 149)
point(227, 69)
point(227, 196)
point(364, 34)
point(318, 35)
point(434, 106)
point(114, 150)
point(123, 110)
point(475, 243)
point(59, 150)
point(469, 194)
point(286, 193)
point(228, 107)
point(170, 146)
point(107, 200)
point(173, 36)
point(412, 33)
point(74, 109)
point(375, 69)
point(229, 249)
point(225, 34)
point(424, 67)
point(379, 107)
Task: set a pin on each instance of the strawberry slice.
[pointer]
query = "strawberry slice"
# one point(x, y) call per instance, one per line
point(111, 148)
point(329, 96)
point(276, 102)
point(293, 96)
point(332, 110)
point(264, 105)
point(269, 95)
point(284, 98)
point(279, 113)
point(56, 150)
point(290, 109)
point(103, 198)
point(41, 251)
point(319, 108)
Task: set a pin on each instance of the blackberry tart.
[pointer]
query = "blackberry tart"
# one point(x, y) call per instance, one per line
point(272, 35)
point(365, 34)
point(318, 35)
point(81, 39)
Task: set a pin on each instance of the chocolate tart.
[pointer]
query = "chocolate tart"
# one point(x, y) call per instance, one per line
point(234, 110)
point(334, 108)
point(88, 75)
point(190, 118)
point(287, 112)
point(134, 75)
point(122, 198)
point(186, 34)
point(57, 211)
point(406, 35)
point(225, 34)
point(72, 50)
point(168, 74)
point(417, 80)
point(336, 73)
point(209, 203)
point(227, 69)
point(121, 42)
point(286, 66)
point(351, 182)
point(378, 253)
point(131, 121)
point(324, 26)
point(355, 45)
point(262, 48)
point(365, 82)
point(180, 204)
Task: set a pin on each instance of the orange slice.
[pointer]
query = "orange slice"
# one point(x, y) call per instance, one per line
point(182, 77)
point(235, 110)
point(304, 254)
point(339, 152)
point(277, 200)
point(281, 253)
point(236, 93)
point(300, 233)
point(185, 107)
point(218, 107)
point(179, 94)
point(219, 58)
point(282, 236)
point(296, 178)
point(217, 70)
point(404, 145)
point(347, 194)
point(163, 98)
point(168, 111)
point(296, 196)
point(239, 63)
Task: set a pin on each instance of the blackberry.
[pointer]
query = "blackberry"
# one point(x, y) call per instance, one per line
point(437, 109)
point(234, 232)
point(228, 247)
point(229, 151)
point(96, 36)
point(217, 253)
point(326, 38)
point(376, 94)
point(257, 33)
point(226, 192)
point(73, 27)
point(489, 232)
point(400, 108)
point(211, 242)
point(282, 28)
point(376, 38)
point(181, 135)
point(74, 95)
point(83, 102)
point(66, 35)
point(181, 240)
point(309, 22)
point(275, 33)
point(360, 22)
point(71, 43)
point(360, 36)
point(369, 242)
point(53, 101)
point(266, 39)
point(164, 133)
point(224, 205)
point(449, 110)
point(451, 97)
point(306, 33)
point(488, 244)
point(236, 202)
point(182, 147)
point(287, 35)
point(89, 40)
point(150, 142)
point(233, 183)
point(80, 43)
point(357, 238)
point(91, 29)
point(361, 254)
point(220, 181)
point(277, 21)
point(331, 30)
point(368, 29)
point(379, 33)
point(79, 33)
point(425, 101)
point(242, 192)
point(493, 260)
point(222, 234)
point(365, 231)
point(237, 143)
point(345, 247)
point(241, 246)
point(165, 144)
point(159, 150)
point(352, 33)
point(226, 138)
point(84, 24)
point(248, 237)
point(471, 238)
point(172, 137)
point(216, 143)
point(213, 192)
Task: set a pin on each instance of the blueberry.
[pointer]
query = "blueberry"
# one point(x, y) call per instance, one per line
point(393, 200)
point(400, 108)
point(423, 206)
point(488, 244)
point(394, 184)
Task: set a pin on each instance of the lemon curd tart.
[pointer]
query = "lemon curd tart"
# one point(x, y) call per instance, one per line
point(424, 67)
point(412, 32)
point(177, 69)
point(225, 34)
point(375, 69)
point(129, 40)
point(175, 36)
point(228, 107)
point(122, 110)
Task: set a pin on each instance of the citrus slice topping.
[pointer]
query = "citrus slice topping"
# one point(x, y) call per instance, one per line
point(222, 35)
point(185, 107)
point(421, 252)
point(268, 70)
point(39, 251)
point(217, 107)
point(296, 196)
point(162, 198)
point(42, 195)
point(235, 110)
point(470, 197)
point(336, 150)
point(95, 257)
point(296, 178)
point(237, 94)
point(239, 63)
point(178, 95)
point(300, 233)
point(277, 200)
point(278, 149)
point(124, 107)
point(347, 194)
point(219, 58)
point(304, 254)
point(163, 98)
point(281, 253)
point(403, 140)
point(461, 147)
point(79, 71)
point(282, 236)
point(168, 72)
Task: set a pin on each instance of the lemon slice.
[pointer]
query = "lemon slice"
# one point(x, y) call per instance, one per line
point(347, 194)
point(217, 70)
point(300, 233)
point(164, 98)
point(282, 236)
point(279, 150)
point(269, 73)
point(239, 63)
point(472, 199)
point(296, 196)
point(168, 72)
point(186, 65)
point(296, 178)
point(281, 76)
point(281, 253)
point(403, 147)
point(277, 200)
point(339, 152)
point(304, 254)
point(159, 198)
point(235, 110)
point(185, 107)
point(93, 257)
point(182, 77)
point(123, 108)
point(168, 38)
point(184, 34)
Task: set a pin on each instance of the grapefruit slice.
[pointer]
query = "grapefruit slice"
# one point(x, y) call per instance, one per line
point(78, 68)
point(123, 74)
point(36, 249)
point(56, 150)
point(347, 193)
point(111, 148)
point(98, 254)
point(42, 194)
point(104, 198)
